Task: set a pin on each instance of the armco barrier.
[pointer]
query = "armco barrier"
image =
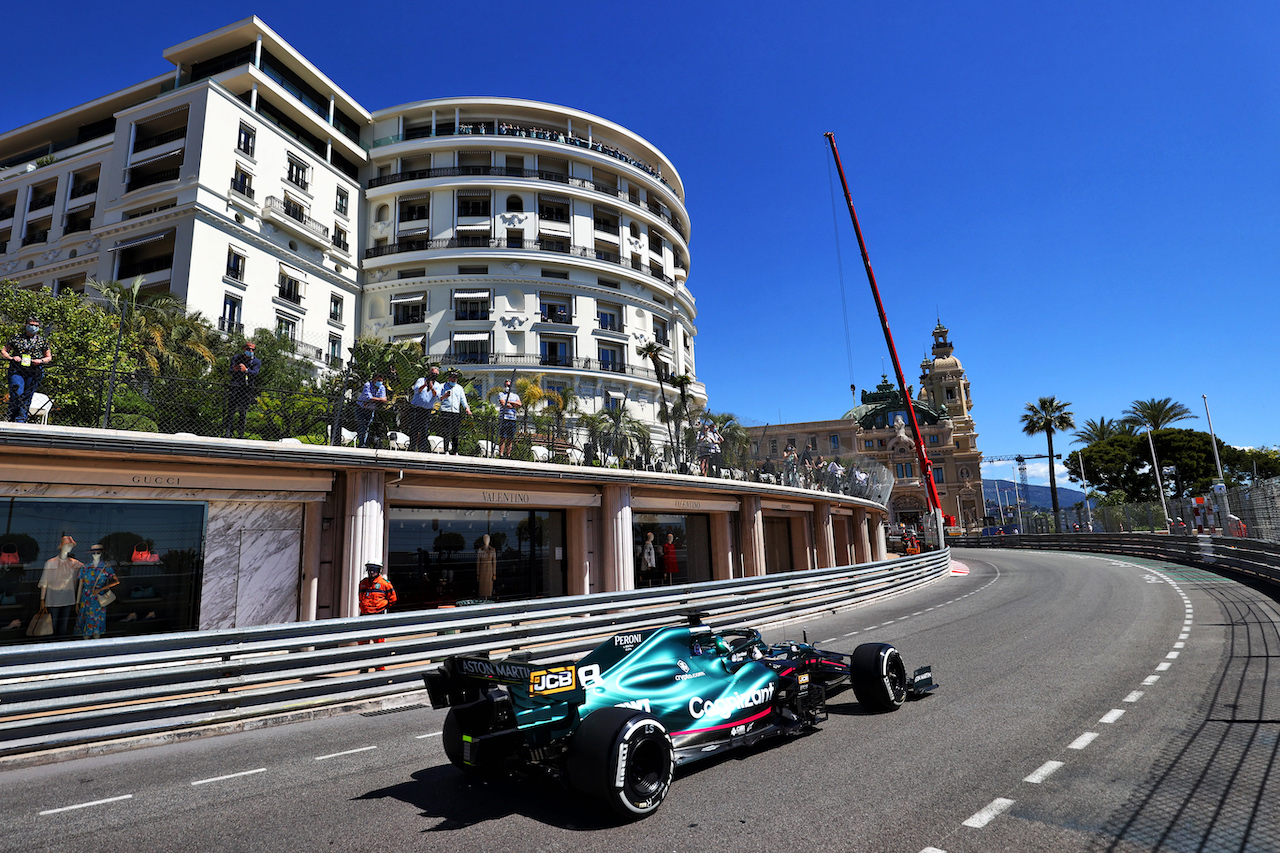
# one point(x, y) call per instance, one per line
point(56, 694)
point(1248, 556)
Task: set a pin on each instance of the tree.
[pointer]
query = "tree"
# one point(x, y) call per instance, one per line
point(651, 351)
point(1048, 416)
point(161, 337)
point(614, 430)
point(1101, 430)
point(1155, 414)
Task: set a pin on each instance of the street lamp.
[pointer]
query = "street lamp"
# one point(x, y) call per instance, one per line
point(1213, 439)
point(1155, 469)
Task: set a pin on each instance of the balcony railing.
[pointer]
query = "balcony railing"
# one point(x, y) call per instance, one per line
point(297, 214)
point(661, 337)
point(41, 201)
point(506, 172)
point(567, 362)
point(471, 315)
point(242, 188)
point(290, 293)
point(341, 243)
point(145, 266)
point(306, 350)
point(41, 236)
point(229, 326)
point(80, 190)
point(556, 315)
point(159, 139)
point(77, 225)
point(137, 182)
point(609, 325)
point(7, 212)
point(558, 246)
point(607, 227)
point(334, 361)
point(297, 180)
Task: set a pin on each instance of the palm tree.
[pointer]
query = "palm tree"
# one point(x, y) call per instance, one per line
point(1101, 430)
point(734, 435)
point(168, 340)
point(1048, 416)
point(1155, 414)
point(651, 351)
point(615, 429)
point(560, 403)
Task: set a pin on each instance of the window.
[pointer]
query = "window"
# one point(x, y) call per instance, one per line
point(951, 393)
point(473, 270)
point(655, 242)
point(230, 322)
point(235, 265)
point(869, 444)
point(660, 332)
point(335, 307)
point(289, 288)
point(609, 317)
point(247, 139)
point(471, 352)
point(242, 183)
point(688, 342)
point(342, 204)
point(404, 313)
point(555, 309)
point(773, 446)
point(939, 476)
point(933, 439)
point(415, 211)
point(287, 327)
point(297, 173)
point(835, 443)
point(471, 305)
point(333, 357)
point(904, 470)
point(880, 442)
point(473, 205)
point(604, 282)
point(561, 274)
point(414, 273)
point(555, 351)
point(611, 359)
point(613, 403)
point(515, 204)
point(755, 448)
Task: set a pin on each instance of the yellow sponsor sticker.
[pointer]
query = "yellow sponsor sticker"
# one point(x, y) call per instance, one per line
point(554, 680)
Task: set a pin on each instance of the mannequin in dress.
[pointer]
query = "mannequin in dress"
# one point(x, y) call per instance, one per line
point(95, 579)
point(58, 586)
point(669, 564)
point(486, 567)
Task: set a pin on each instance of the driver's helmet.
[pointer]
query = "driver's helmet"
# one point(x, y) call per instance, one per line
point(722, 646)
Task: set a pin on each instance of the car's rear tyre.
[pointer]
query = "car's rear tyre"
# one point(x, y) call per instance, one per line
point(471, 719)
point(878, 676)
point(623, 759)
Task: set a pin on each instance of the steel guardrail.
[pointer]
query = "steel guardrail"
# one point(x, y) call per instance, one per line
point(57, 694)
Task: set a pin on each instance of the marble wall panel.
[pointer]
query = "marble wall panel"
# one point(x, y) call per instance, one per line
point(232, 594)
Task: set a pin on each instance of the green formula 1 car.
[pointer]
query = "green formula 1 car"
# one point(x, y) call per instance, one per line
point(617, 723)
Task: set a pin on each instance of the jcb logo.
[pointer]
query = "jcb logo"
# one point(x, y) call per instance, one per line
point(551, 680)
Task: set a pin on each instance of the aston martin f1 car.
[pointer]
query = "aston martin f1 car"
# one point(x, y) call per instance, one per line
point(616, 724)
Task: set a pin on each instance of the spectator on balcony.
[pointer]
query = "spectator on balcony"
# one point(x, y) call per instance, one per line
point(27, 354)
point(508, 403)
point(240, 392)
point(373, 393)
point(453, 402)
point(423, 403)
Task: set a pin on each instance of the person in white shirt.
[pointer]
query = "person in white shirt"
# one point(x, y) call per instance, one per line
point(453, 402)
point(422, 402)
point(508, 404)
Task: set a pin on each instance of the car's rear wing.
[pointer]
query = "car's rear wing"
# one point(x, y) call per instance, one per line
point(464, 678)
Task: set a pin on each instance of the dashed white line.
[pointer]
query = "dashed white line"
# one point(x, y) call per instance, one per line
point(428, 734)
point(1161, 667)
point(988, 814)
point(1112, 715)
point(87, 805)
point(852, 634)
point(1083, 741)
point(1150, 680)
point(1183, 636)
point(1044, 771)
point(229, 776)
point(345, 752)
point(932, 850)
point(1134, 696)
point(1179, 645)
point(830, 639)
point(1173, 655)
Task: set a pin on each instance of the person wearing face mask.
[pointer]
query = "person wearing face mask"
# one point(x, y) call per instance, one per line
point(26, 354)
point(240, 393)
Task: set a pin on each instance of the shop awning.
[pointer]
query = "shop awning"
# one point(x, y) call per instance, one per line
point(470, 336)
point(175, 153)
point(412, 296)
point(150, 238)
point(292, 272)
point(471, 294)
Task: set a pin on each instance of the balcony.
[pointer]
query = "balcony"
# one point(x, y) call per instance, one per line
point(560, 361)
point(661, 337)
point(471, 315)
point(334, 361)
point(137, 182)
point(607, 227)
point(610, 325)
point(297, 180)
point(554, 314)
point(41, 201)
point(558, 246)
point(6, 212)
point(341, 243)
point(229, 326)
point(306, 350)
point(40, 236)
point(242, 188)
point(145, 266)
point(76, 226)
point(81, 190)
point(290, 292)
point(295, 216)
point(159, 139)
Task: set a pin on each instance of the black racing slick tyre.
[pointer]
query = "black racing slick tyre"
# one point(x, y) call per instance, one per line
point(474, 718)
point(878, 676)
point(623, 759)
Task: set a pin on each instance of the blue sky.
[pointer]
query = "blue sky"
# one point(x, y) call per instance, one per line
point(1087, 194)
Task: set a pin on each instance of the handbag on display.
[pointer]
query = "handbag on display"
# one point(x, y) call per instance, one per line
point(105, 598)
point(41, 624)
point(142, 554)
point(9, 555)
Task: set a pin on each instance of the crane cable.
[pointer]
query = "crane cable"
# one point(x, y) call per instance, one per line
point(844, 306)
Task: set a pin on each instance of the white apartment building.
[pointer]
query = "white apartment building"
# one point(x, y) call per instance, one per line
point(501, 234)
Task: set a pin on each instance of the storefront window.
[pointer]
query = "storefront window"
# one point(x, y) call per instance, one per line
point(155, 549)
point(439, 557)
point(681, 549)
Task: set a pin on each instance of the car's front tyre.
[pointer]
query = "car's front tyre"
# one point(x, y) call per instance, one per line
point(623, 759)
point(878, 676)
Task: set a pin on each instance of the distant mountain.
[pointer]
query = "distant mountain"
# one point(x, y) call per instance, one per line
point(1032, 496)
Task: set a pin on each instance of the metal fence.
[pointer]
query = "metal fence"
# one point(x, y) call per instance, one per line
point(1256, 511)
point(57, 694)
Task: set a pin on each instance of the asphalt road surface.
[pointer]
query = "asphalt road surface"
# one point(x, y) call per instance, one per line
point(1087, 703)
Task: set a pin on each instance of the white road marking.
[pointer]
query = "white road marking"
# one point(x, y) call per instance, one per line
point(1082, 741)
point(1134, 696)
point(229, 776)
point(988, 814)
point(1161, 667)
point(1183, 636)
point(1150, 680)
point(830, 639)
point(86, 805)
point(1173, 655)
point(852, 634)
point(917, 613)
point(1179, 645)
point(1043, 772)
point(347, 752)
point(428, 734)
point(1112, 715)
point(932, 850)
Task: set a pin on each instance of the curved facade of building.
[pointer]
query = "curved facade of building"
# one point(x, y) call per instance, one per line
point(511, 235)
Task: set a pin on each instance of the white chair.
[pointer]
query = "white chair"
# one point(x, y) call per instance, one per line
point(41, 406)
point(575, 455)
point(611, 462)
point(290, 441)
point(487, 448)
point(540, 454)
point(398, 440)
point(349, 436)
point(435, 444)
